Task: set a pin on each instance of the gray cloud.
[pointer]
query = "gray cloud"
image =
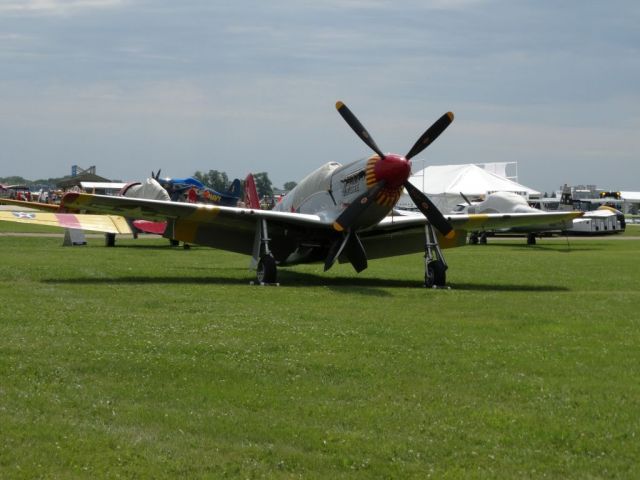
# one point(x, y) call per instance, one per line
point(251, 85)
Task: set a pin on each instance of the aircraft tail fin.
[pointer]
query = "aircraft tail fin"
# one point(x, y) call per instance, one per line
point(235, 190)
point(251, 198)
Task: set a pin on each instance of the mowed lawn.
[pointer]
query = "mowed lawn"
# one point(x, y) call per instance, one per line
point(143, 361)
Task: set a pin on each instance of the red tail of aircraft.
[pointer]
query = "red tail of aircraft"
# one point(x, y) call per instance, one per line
point(251, 198)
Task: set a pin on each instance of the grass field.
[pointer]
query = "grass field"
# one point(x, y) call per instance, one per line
point(142, 361)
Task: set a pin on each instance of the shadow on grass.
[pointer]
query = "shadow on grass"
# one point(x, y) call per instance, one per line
point(150, 246)
point(558, 247)
point(492, 287)
point(363, 286)
point(291, 279)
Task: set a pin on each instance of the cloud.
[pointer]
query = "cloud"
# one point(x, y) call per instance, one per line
point(54, 6)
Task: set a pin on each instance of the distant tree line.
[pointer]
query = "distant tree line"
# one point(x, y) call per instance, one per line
point(16, 180)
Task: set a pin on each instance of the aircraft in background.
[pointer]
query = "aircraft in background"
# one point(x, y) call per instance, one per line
point(177, 188)
point(336, 213)
point(509, 202)
point(147, 189)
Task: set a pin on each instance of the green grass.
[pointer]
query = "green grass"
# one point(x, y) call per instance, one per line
point(143, 361)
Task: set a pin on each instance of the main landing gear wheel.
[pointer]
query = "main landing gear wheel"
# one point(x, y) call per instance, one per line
point(435, 275)
point(531, 239)
point(267, 271)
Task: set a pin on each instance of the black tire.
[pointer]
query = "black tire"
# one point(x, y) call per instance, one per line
point(267, 271)
point(531, 239)
point(110, 239)
point(435, 275)
point(473, 239)
point(483, 238)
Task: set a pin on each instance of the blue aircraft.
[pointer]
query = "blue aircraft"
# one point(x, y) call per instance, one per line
point(192, 189)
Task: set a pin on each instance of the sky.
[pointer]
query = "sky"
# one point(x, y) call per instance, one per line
point(241, 86)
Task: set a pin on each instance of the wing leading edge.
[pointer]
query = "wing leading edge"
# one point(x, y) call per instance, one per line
point(228, 228)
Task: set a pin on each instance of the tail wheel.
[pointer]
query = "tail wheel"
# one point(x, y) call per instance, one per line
point(267, 271)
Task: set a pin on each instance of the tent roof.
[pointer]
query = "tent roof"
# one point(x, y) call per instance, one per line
point(467, 178)
point(630, 196)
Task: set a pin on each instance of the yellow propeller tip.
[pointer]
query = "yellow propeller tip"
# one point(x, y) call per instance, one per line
point(450, 115)
point(337, 227)
point(339, 105)
point(451, 235)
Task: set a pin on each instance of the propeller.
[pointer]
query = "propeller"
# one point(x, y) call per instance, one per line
point(357, 127)
point(350, 243)
point(430, 135)
point(465, 198)
point(359, 205)
point(429, 210)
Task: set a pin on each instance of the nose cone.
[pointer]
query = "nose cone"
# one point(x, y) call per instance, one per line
point(393, 169)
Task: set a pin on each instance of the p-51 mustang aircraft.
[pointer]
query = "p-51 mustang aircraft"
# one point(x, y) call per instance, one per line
point(338, 212)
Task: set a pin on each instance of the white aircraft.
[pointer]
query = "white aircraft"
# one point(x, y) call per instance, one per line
point(338, 212)
point(509, 202)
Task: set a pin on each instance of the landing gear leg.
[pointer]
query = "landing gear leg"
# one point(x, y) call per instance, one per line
point(266, 271)
point(435, 268)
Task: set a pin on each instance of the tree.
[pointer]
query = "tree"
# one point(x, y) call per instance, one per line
point(289, 186)
point(218, 181)
point(15, 180)
point(263, 184)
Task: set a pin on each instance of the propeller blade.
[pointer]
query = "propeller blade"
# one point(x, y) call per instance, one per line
point(359, 205)
point(351, 245)
point(355, 253)
point(357, 127)
point(430, 135)
point(336, 250)
point(428, 209)
point(465, 198)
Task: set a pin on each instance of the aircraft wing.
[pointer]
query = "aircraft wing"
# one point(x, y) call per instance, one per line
point(92, 223)
point(193, 212)
point(50, 207)
point(483, 221)
point(228, 228)
point(400, 235)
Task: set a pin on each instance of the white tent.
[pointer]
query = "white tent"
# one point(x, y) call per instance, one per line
point(444, 183)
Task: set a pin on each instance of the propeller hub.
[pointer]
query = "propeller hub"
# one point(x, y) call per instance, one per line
point(393, 169)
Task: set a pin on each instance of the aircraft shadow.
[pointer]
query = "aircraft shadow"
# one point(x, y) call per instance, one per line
point(290, 279)
point(146, 280)
point(363, 286)
point(564, 248)
point(492, 287)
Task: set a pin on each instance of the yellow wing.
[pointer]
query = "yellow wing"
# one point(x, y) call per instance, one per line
point(92, 223)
